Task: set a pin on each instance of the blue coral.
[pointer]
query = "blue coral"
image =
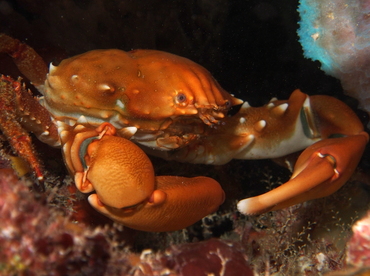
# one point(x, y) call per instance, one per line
point(309, 27)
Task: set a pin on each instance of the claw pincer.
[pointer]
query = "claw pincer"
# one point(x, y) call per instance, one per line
point(323, 167)
point(126, 189)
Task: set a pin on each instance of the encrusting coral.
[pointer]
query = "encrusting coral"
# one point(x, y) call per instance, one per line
point(37, 240)
point(358, 247)
point(37, 237)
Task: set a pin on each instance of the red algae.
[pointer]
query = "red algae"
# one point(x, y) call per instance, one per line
point(37, 240)
point(358, 247)
point(212, 257)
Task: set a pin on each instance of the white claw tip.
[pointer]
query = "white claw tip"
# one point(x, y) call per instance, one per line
point(253, 206)
point(244, 206)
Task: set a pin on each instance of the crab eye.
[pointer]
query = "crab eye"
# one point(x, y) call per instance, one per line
point(181, 99)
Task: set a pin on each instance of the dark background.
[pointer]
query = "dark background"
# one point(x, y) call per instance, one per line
point(250, 46)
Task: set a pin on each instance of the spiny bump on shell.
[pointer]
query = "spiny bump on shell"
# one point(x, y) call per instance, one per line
point(270, 105)
point(120, 104)
point(105, 87)
point(245, 105)
point(260, 125)
point(242, 120)
point(273, 99)
point(74, 77)
point(82, 120)
point(52, 68)
point(280, 109)
point(45, 133)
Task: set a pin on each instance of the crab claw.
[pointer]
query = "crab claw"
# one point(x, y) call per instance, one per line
point(128, 192)
point(176, 203)
point(126, 189)
point(320, 170)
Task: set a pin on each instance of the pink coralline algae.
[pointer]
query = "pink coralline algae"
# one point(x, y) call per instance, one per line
point(38, 239)
point(338, 36)
point(35, 240)
point(358, 247)
point(212, 257)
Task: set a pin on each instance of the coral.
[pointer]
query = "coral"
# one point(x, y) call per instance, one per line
point(212, 257)
point(358, 247)
point(293, 241)
point(37, 240)
point(338, 36)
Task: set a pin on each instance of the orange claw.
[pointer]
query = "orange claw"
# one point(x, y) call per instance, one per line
point(127, 190)
point(119, 171)
point(320, 171)
point(177, 202)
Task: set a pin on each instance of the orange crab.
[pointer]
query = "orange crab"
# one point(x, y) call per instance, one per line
point(95, 105)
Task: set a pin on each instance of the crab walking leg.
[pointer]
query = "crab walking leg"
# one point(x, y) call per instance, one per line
point(320, 171)
point(19, 139)
point(27, 60)
point(19, 109)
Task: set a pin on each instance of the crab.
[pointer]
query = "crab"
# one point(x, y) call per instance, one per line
point(100, 105)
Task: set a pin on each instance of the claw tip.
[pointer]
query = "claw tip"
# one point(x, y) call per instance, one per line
point(252, 206)
point(244, 206)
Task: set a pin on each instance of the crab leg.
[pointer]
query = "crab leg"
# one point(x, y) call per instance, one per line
point(177, 202)
point(27, 60)
point(20, 110)
point(280, 128)
point(320, 171)
point(323, 167)
point(271, 131)
point(19, 139)
point(126, 189)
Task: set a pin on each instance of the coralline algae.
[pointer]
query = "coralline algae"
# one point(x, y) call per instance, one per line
point(337, 34)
